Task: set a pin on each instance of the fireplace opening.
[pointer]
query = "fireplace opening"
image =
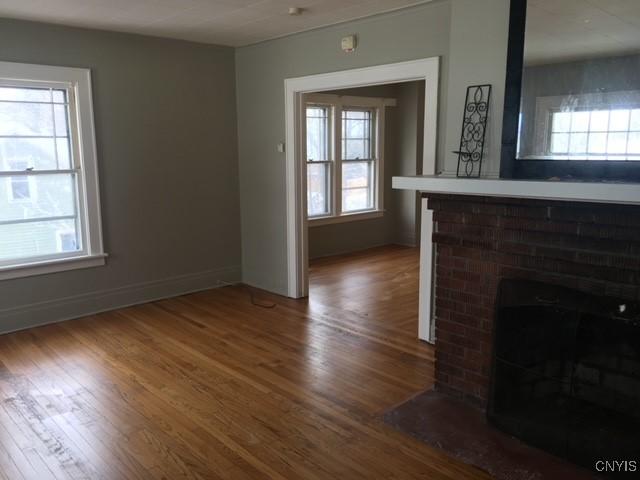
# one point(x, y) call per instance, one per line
point(566, 372)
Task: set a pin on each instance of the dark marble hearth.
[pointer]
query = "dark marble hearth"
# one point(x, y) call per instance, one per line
point(463, 432)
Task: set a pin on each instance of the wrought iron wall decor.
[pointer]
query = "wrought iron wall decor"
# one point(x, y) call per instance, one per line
point(474, 129)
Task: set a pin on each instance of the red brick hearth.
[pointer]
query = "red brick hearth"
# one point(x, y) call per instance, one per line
point(589, 247)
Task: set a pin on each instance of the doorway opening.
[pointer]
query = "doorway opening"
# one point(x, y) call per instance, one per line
point(363, 236)
point(351, 182)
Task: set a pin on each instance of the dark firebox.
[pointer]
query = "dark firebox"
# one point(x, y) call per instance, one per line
point(566, 372)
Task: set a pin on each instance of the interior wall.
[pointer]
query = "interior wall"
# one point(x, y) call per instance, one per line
point(417, 32)
point(398, 223)
point(479, 37)
point(165, 118)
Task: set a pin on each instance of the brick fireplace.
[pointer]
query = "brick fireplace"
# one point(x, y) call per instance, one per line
point(592, 248)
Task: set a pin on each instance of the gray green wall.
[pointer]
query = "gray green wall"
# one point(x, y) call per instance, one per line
point(410, 132)
point(477, 55)
point(261, 69)
point(398, 224)
point(165, 118)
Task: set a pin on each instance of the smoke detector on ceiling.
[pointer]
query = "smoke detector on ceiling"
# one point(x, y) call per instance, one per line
point(295, 11)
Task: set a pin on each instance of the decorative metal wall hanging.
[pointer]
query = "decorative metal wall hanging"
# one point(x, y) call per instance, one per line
point(474, 129)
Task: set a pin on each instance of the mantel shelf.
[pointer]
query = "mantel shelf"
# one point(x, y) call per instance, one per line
point(596, 192)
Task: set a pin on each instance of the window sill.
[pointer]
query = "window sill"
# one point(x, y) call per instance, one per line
point(51, 266)
point(349, 217)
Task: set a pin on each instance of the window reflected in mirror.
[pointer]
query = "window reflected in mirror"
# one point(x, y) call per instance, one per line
point(581, 81)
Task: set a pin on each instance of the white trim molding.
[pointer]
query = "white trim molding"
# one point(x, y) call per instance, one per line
point(68, 308)
point(593, 192)
point(424, 69)
point(52, 266)
point(347, 217)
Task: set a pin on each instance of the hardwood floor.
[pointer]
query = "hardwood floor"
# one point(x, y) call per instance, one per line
point(209, 386)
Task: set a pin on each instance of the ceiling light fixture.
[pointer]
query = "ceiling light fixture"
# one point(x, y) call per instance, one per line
point(295, 11)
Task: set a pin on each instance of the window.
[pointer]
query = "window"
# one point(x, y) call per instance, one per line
point(596, 134)
point(344, 156)
point(318, 160)
point(358, 162)
point(49, 216)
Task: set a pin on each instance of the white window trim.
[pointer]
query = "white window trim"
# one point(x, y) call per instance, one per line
point(337, 104)
point(546, 106)
point(78, 81)
point(346, 217)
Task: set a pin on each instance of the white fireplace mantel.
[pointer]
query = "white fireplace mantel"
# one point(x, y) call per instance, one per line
point(597, 192)
point(594, 192)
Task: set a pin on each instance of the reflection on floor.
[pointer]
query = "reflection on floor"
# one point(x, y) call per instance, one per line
point(209, 385)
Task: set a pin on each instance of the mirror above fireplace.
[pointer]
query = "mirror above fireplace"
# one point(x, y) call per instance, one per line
point(572, 106)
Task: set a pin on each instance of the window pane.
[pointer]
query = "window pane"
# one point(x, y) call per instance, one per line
point(64, 153)
point(62, 122)
point(355, 149)
point(356, 199)
point(580, 121)
point(23, 153)
point(35, 239)
point(355, 128)
point(317, 133)
point(619, 121)
point(634, 143)
point(634, 125)
point(25, 94)
point(356, 134)
point(600, 121)
point(26, 197)
point(561, 122)
point(26, 119)
point(617, 143)
point(578, 143)
point(317, 191)
point(560, 143)
point(355, 174)
point(598, 143)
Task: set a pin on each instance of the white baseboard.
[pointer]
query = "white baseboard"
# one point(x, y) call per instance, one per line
point(67, 308)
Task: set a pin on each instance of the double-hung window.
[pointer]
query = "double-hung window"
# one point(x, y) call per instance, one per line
point(49, 210)
point(344, 151)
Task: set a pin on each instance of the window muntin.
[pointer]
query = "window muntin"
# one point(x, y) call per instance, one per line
point(342, 163)
point(596, 134)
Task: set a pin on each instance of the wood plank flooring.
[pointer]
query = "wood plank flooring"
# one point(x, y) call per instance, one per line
point(211, 386)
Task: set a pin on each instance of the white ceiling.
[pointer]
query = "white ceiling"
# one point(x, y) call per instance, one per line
point(224, 22)
point(564, 30)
